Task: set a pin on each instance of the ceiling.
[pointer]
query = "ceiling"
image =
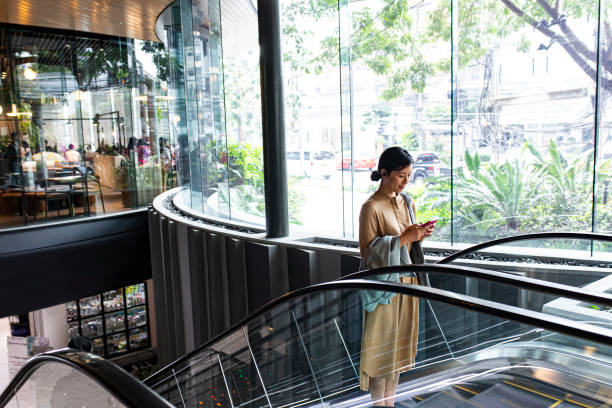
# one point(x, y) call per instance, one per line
point(123, 18)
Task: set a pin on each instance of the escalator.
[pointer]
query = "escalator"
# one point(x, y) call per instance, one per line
point(505, 347)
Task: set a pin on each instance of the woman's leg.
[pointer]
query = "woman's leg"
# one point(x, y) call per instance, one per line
point(390, 389)
point(377, 391)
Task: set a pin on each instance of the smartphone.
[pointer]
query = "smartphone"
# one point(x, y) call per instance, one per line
point(428, 223)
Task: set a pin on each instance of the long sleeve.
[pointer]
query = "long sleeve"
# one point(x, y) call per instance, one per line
point(368, 226)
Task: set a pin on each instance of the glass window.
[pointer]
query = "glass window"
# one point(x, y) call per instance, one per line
point(500, 113)
point(92, 327)
point(135, 295)
point(121, 318)
point(116, 344)
point(115, 321)
point(137, 316)
point(84, 127)
point(139, 338)
point(90, 306)
point(113, 300)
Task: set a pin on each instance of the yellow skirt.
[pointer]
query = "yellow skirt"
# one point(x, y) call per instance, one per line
point(390, 336)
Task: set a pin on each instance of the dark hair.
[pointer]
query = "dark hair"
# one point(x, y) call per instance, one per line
point(81, 343)
point(393, 158)
point(70, 146)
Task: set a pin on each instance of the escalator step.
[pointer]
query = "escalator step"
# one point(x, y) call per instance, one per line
point(506, 396)
point(447, 398)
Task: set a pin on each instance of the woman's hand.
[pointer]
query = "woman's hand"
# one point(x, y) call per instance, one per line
point(416, 233)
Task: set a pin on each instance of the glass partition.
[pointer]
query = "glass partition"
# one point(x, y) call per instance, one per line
point(59, 385)
point(324, 348)
point(84, 125)
point(500, 107)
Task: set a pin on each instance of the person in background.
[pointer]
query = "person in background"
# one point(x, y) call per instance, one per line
point(72, 155)
point(26, 153)
point(143, 152)
point(13, 154)
point(166, 161)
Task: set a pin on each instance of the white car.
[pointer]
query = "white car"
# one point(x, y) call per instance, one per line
point(298, 163)
point(323, 164)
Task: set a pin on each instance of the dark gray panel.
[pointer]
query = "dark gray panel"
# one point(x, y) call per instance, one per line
point(237, 280)
point(42, 236)
point(217, 283)
point(299, 266)
point(175, 298)
point(199, 287)
point(349, 264)
point(258, 274)
point(55, 274)
point(157, 271)
point(166, 298)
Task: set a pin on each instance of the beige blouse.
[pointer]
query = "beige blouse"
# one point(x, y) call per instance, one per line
point(380, 216)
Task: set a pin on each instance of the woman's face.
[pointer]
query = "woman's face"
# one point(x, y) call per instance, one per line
point(397, 180)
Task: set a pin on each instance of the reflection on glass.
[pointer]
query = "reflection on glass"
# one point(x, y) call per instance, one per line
point(115, 321)
point(90, 306)
point(135, 295)
point(83, 138)
point(73, 329)
point(116, 344)
point(137, 316)
point(312, 351)
point(139, 338)
point(98, 346)
point(59, 385)
point(71, 311)
point(312, 120)
point(113, 300)
point(92, 327)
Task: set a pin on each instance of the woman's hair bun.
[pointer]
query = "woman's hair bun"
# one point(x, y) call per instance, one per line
point(375, 176)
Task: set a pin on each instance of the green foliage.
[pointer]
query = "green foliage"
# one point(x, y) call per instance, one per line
point(494, 200)
point(392, 43)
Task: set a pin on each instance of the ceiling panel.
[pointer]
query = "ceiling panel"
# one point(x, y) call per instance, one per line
point(124, 18)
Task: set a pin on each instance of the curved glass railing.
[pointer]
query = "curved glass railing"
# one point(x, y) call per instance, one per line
point(571, 258)
point(70, 378)
point(312, 347)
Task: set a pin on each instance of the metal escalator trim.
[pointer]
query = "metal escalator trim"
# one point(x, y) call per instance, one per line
point(531, 390)
point(465, 389)
point(532, 318)
point(586, 236)
point(557, 289)
point(416, 397)
point(559, 402)
point(121, 385)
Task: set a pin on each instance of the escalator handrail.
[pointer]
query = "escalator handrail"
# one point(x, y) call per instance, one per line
point(557, 289)
point(536, 319)
point(587, 236)
point(121, 385)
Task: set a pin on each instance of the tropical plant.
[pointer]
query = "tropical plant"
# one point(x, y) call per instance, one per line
point(501, 191)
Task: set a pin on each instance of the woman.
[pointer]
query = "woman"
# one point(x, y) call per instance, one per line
point(391, 325)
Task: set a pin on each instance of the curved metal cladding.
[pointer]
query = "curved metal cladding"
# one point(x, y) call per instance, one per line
point(209, 273)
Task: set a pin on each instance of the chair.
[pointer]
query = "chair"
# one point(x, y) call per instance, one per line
point(58, 195)
point(89, 184)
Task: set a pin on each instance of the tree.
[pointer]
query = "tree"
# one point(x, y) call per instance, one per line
point(393, 43)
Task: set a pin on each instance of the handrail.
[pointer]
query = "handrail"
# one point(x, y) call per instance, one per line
point(522, 282)
point(590, 236)
point(118, 382)
point(537, 319)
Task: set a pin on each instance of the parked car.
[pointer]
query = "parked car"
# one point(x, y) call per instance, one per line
point(428, 165)
point(322, 164)
point(298, 163)
point(361, 161)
